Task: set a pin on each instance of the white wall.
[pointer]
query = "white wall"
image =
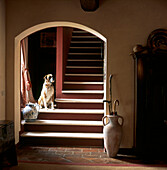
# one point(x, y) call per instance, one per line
point(2, 59)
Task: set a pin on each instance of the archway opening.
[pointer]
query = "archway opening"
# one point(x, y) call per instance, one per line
point(28, 32)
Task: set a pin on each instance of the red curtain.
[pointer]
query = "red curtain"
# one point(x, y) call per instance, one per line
point(26, 86)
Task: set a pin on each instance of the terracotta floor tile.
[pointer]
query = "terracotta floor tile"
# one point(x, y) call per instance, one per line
point(101, 150)
point(58, 160)
point(74, 149)
point(79, 160)
point(84, 154)
point(85, 150)
point(74, 155)
point(93, 156)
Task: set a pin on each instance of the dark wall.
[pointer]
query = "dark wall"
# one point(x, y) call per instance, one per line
point(42, 61)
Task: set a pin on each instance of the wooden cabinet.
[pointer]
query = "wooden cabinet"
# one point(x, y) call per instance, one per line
point(8, 155)
point(151, 77)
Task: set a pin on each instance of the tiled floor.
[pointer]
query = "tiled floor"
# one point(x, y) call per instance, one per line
point(76, 155)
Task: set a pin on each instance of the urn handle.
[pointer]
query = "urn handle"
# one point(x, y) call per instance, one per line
point(103, 119)
point(122, 120)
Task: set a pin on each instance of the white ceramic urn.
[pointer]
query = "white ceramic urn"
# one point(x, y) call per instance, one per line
point(112, 131)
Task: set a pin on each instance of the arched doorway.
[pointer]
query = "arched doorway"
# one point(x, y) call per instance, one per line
point(17, 63)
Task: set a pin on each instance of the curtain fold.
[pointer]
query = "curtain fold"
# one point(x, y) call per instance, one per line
point(26, 86)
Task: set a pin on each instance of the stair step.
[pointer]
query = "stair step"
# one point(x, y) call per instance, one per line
point(84, 78)
point(86, 50)
point(84, 36)
point(84, 91)
point(71, 126)
point(99, 60)
point(85, 47)
point(92, 67)
point(62, 139)
point(79, 31)
point(84, 53)
point(75, 82)
point(83, 70)
point(84, 62)
point(79, 100)
point(80, 44)
point(86, 57)
point(87, 42)
point(83, 87)
point(92, 75)
point(73, 111)
point(63, 135)
point(69, 105)
point(63, 122)
point(71, 114)
point(73, 142)
point(72, 85)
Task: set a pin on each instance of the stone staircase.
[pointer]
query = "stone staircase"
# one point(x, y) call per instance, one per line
point(77, 120)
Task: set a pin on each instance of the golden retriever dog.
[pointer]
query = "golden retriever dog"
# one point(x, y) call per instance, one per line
point(47, 94)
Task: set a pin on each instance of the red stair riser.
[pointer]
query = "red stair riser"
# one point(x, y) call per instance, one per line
point(63, 142)
point(80, 105)
point(63, 128)
point(82, 96)
point(70, 116)
point(86, 57)
point(84, 63)
point(84, 70)
point(83, 87)
point(84, 78)
point(84, 51)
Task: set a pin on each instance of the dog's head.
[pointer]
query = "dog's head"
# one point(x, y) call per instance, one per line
point(49, 79)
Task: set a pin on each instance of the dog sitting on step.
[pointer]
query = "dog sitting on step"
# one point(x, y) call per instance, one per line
point(46, 98)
